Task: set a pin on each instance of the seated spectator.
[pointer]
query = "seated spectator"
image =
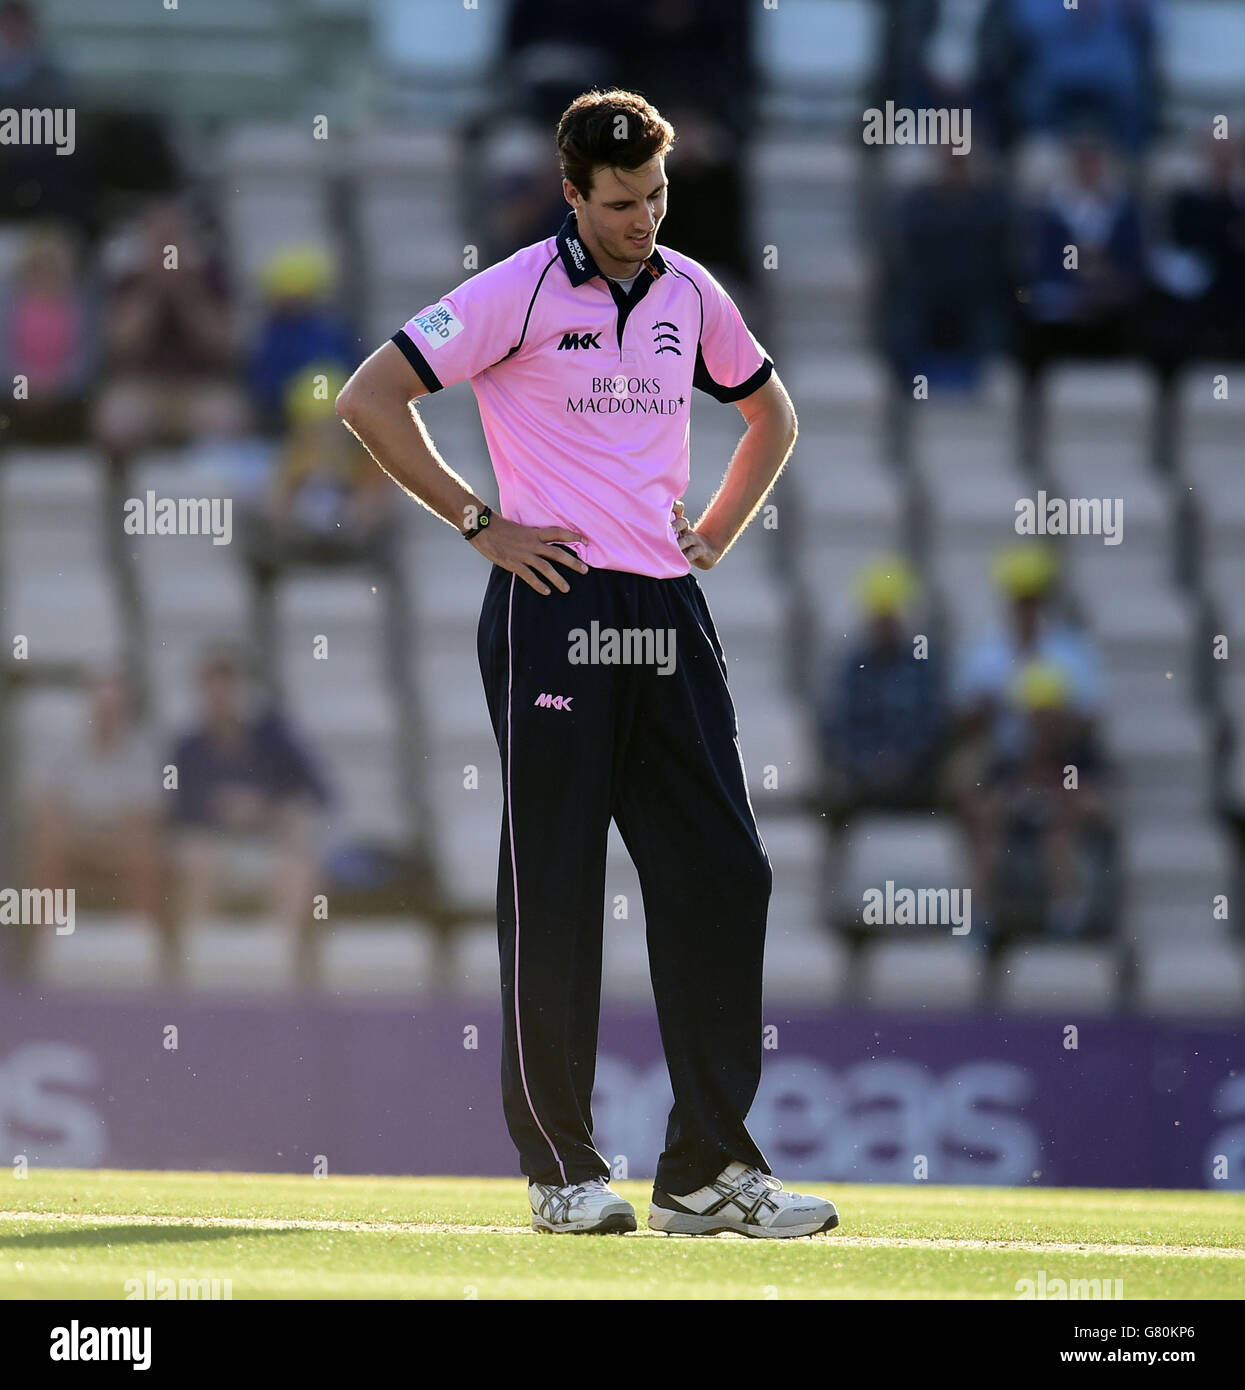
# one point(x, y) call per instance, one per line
point(324, 503)
point(1091, 309)
point(692, 58)
point(95, 810)
point(35, 181)
point(695, 61)
point(46, 334)
point(300, 326)
point(1044, 833)
point(1201, 266)
point(328, 503)
point(883, 721)
point(169, 343)
point(549, 52)
point(1044, 67)
point(945, 311)
point(903, 72)
point(991, 729)
point(243, 811)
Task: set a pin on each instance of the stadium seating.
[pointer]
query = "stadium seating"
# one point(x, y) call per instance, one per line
point(1059, 978)
point(107, 951)
point(1195, 981)
point(378, 957)
point(934, 976)
point(404, 734)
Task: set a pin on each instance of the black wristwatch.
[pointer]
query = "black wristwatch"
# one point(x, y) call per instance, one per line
point(481, 522)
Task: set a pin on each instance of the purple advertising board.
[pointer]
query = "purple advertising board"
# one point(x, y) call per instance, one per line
point(179, 1081)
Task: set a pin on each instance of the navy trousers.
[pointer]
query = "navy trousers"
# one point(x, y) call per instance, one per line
point(581, 742)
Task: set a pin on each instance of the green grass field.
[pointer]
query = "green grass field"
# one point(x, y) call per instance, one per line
point(66, 1234)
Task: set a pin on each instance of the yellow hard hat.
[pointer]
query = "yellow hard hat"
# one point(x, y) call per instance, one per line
point(886, 586)
point(311, 395)
point(1024, 571)
point(1040, 685)
point(297, 272)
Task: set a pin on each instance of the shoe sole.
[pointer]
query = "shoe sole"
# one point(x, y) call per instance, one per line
point(616, 1224)
point(678, 1223)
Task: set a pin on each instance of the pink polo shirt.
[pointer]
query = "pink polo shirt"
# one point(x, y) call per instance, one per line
point(585, 390)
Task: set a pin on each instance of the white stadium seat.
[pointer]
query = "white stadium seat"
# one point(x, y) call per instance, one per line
point(372, 956)
point(1192, 980)
point(933, 975)
point(1065, 979)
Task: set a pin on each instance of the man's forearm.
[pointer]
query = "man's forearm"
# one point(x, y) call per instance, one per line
point(758, 459)
point(400, 444)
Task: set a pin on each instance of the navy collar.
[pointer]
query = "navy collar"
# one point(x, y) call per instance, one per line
point(578, 261)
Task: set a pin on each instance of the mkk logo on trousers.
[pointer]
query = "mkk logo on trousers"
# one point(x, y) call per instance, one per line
point(554, 701)
point(580, 340)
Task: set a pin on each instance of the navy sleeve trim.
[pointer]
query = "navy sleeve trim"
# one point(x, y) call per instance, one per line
point(531, 304)
point(416, 358)
point(702, 381)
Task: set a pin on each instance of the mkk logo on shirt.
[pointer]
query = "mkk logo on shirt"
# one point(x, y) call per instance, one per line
point(571, 341)
point(554, 701)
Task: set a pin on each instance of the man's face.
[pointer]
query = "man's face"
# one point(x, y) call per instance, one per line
point(619, 221)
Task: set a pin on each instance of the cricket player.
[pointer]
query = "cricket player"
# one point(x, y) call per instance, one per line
point(603, 672)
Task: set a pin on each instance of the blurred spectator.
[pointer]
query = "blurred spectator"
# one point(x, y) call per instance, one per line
point(35, 181)
point(329, 503)
point(903, 74)
point(95, 807)
point(326, 503)
point(1092, 308)
point(929, 53)
point(1045, 67)
point(945, 309)
point(883, 720)
point(168, 335)
point(551, 50)
point(694, 60)
point(243, 813)
point(1044, 847)
point(300, 326)
point(995, 733)
point(1201, 266)
point(130, 157)
point(46, 335)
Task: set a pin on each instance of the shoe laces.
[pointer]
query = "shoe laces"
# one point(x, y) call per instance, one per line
point(562, 1200)
point(754, 1182)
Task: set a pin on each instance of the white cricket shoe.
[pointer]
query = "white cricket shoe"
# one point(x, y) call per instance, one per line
point(581, 1208)
point(744, 1200)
